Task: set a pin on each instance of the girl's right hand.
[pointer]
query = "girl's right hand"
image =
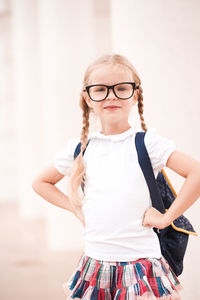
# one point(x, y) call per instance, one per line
point(79, 214)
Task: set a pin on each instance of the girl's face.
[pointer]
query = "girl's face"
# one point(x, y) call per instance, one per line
point(110, 75)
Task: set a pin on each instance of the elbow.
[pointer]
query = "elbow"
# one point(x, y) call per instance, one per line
point(35, 185)
point(195, 171)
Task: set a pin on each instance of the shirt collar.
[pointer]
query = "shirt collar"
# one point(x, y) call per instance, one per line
point(113, 137)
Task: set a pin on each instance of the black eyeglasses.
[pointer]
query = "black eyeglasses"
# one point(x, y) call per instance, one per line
point(99, 92)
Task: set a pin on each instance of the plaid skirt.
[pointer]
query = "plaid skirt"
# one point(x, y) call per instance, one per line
point(145, 278)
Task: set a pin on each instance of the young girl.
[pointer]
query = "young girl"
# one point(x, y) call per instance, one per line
point(122, 257)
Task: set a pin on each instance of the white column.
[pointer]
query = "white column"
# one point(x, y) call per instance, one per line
point(7, 129)
point(67, 47)
point(102, 26)
point(26, 95)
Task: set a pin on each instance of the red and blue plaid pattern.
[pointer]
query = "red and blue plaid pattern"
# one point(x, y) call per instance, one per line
point(145, 278)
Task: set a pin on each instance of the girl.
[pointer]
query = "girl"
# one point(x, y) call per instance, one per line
point(122, 257)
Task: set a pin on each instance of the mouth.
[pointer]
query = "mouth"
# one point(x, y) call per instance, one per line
point(111, 107)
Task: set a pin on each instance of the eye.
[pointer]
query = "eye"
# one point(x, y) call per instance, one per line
point(97, 89)
point(100, 89)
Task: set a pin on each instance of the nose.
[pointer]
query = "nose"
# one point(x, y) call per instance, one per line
point(111, 94)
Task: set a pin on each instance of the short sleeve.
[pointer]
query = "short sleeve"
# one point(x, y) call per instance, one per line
point(64, 158)
point(159, 148)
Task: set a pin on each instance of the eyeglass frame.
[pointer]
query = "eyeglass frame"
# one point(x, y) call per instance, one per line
point(87, 88)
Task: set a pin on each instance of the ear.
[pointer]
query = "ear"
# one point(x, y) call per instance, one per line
point(87, 100)
point(135, 97)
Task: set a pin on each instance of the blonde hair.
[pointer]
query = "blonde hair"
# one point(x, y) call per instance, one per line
point(77, 176)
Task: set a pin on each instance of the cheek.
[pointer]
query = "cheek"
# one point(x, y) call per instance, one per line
point(128, 106)
point(97, 107)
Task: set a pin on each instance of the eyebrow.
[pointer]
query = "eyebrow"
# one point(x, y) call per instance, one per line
point(112, 84)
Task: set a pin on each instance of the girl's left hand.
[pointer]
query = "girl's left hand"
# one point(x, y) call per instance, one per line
point(153, 218)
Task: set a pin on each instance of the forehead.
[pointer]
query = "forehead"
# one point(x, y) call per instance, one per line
point(110, 74)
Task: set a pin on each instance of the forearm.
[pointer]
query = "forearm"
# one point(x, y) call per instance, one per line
point(53, 195)
point(188, 194)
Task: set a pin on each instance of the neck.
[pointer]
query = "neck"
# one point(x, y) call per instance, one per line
point(114, 129)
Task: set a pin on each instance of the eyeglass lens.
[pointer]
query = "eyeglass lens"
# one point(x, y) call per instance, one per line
point(122, 91)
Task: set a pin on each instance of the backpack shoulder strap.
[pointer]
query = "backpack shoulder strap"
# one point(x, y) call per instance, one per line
point(78, 149)
point(145, 164)
point(76, 153)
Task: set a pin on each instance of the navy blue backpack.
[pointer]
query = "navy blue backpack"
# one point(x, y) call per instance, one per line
point(174, 238)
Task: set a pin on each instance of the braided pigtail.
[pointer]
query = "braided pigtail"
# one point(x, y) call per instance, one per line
point(141, 108)
point(77, 175)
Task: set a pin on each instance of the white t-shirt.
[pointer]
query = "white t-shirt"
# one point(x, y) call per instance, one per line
point(116, 195)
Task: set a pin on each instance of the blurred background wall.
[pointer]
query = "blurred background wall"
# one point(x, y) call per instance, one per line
point(45, 47)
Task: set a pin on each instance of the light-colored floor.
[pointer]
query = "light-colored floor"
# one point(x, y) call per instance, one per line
point(29, 271)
